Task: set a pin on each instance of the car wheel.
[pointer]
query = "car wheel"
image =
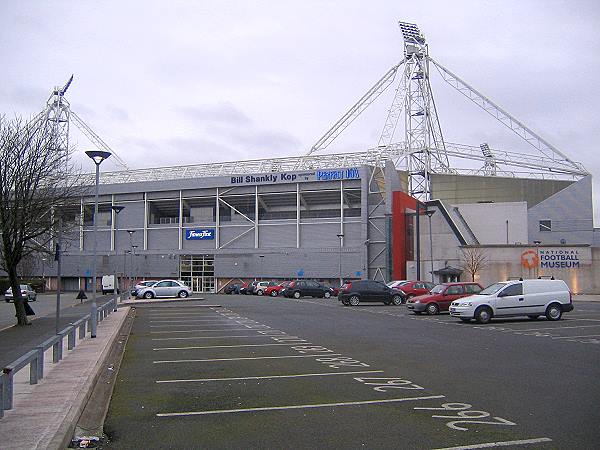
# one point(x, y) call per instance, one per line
point(297, 294)
point(433, 309)
point(354, 300)
point(327, 294)
point(397, 300)
point(259, 292)
point(533, 316)
point(464, 319)
point(183, 294)
point(273, 293)
point(148, 295)
point(483, 314)
point(554, 312)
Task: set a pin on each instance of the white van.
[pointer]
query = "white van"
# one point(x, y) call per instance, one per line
point(108, 284)
point(531, 298)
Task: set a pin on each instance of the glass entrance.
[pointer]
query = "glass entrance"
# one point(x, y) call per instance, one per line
point(198, 272)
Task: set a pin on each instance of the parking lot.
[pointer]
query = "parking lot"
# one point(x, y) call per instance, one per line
point(260, 372)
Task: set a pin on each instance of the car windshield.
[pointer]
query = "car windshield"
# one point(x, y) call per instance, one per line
point(492, 289)
point(438, 289)
point(23, 287)
point(396, 283)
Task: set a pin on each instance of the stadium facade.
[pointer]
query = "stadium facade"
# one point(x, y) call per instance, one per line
point(327, 224)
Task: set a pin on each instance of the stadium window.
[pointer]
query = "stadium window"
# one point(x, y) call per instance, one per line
point(545, 225)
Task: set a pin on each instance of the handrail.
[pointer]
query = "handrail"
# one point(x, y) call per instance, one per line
point(35, 358)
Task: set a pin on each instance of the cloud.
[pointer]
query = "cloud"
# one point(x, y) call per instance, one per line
point(223, 112)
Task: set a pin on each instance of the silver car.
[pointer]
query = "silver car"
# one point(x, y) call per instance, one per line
point(165, 288)
point(26, 292)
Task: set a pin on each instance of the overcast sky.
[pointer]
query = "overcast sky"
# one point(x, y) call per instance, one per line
point(182, 82)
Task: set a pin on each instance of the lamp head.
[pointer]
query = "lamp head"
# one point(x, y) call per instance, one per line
point(429, 212)
point(130, 232)
point(340, 235)
point(98, 155)
point(117, 208)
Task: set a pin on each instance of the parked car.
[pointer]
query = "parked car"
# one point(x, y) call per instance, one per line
point(26, 292)
point(531, 298)
point(244, 288)
point(262, 286)
point(415, 288)
point(334, 290)
point(397, 283)
point(354, 292)
point(232, 289)
point(165, 288)
point(440, 297)
point(141, 285)
point(250, 288)
point(306, 288)
point(274, 291)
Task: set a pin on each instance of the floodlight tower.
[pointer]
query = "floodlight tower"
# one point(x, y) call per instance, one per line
point(57, 114)
point(425, 148)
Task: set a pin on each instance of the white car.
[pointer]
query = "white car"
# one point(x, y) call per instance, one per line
point(531, 298)
point(262, 286)
point(141, 285)
point(26, 292)
point(165, 288)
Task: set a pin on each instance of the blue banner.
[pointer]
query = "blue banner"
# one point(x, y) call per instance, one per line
point(200, 235)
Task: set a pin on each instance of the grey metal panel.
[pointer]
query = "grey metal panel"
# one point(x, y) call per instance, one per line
point(163, 194)
point(132, 196)
point(319, 235)
point(291, 264)
point(103, 241)
point(227, 233)
point(277, 188)
point(277, 236)
point(163, 239)
point(353, 234)
point(132, 216)
point(570, 212)
point(205, 192)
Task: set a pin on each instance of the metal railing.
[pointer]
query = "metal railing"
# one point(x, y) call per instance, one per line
point(35, 358)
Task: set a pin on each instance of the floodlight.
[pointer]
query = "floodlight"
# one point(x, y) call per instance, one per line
point(485, 149)
point(411, 33)
point(117, 208)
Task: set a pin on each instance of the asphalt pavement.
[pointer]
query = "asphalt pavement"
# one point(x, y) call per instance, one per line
point(281, 373)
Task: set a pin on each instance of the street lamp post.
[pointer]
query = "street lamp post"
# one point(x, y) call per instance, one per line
point(117, 210)
point(262, 258)
point(537, 261)
point(97, 156)
point(430, 213)
point(133, 267)
point(131, 253)
point(341, 237)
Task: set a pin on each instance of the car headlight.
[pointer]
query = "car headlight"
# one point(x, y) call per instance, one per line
point(466, 304)
point(416, 301)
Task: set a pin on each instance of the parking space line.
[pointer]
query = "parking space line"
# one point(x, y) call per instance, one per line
point(178, 324)
point(498, 444)
point(196, 331)
point(243, 359)
point(557, 328)
point(221, 346)
point(177, 320)
point(279, 408)
point(576, 337)
point(157, 308)
point(209, 337)
point(269, 377)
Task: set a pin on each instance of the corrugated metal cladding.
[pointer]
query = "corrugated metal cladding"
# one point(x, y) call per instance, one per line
point(274, 225)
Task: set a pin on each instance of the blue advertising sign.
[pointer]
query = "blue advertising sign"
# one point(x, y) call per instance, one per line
point(200, 235)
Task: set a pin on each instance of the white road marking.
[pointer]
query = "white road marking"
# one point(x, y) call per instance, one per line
point(576, 337)
point(196, 331)
point(498, 444)
point(207, 337)
point(190, 320)
point(193, 325)
point(556, 328)
point(241, 359)
point(278, 408)
point(218, 346)
point(158, 308)
point(268, 377)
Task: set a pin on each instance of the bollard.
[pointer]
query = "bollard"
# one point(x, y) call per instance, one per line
point(33, 371)
point(57, 351)
point(40, 358)
point(7, 388)
point(71, 339)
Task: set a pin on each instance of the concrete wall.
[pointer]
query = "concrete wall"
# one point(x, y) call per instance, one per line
point(488, 221)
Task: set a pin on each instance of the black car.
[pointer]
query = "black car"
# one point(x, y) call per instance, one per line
point(306, 288)
point(232, 289)
point(354, 292)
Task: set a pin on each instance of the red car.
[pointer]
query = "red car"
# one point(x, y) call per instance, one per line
point(415, 288)
point(441, 296)
point(274, 291)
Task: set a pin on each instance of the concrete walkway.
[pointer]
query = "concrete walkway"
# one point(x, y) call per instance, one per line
point(44, 415)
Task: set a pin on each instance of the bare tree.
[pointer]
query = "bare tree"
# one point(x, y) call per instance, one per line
point(34, 189)
point(473, 260)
